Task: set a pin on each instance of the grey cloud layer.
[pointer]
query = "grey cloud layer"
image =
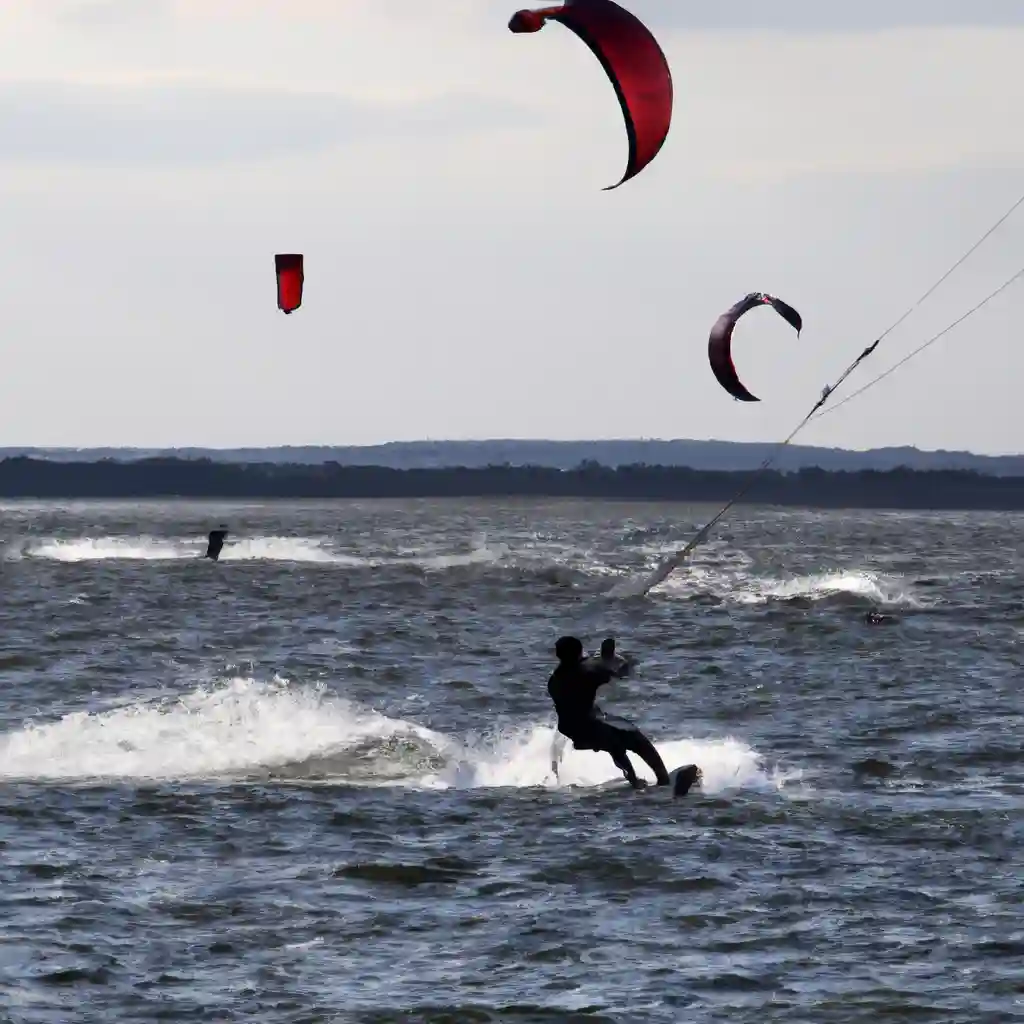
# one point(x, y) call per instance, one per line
point(814, 15)
point(110, 13)
point(187, 124)
point(787, 15)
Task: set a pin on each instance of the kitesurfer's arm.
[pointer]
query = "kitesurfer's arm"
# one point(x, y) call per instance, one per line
point(621, 668)
point(554, 687)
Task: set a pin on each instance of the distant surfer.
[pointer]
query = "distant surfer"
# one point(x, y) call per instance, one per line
point(573, 688)
point(215, 542)
point(616, 664)
point(876, 618)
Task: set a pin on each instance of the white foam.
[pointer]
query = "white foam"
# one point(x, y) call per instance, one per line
point(741, 586)
point(481, 553)
point(238, 727)
point(241, 549)
point(525, 760)
point(873, 586)
point(246, 726)
point(284, 549)
point(85, 549)
point(157, 549)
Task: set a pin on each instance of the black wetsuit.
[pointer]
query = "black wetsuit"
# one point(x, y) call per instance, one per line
point(215, 542)
point(573, 689)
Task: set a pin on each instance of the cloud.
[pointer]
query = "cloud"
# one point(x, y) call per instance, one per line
point(460, 15)
point(749, 107)
point(818, 16)
point(107, 14)
point(188, 124)
point(909, 99)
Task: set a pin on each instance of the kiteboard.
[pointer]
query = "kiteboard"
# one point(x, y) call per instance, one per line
point(683, 778)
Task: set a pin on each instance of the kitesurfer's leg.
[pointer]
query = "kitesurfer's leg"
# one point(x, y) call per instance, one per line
point(617, 739)
point(636, 742)
point(557, 747)
point(622, 762)
point(601, 736)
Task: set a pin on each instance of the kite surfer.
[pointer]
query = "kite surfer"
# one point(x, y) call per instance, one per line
point(616, 664)
point(877, 618)
point(215, 542)
point(573, 689)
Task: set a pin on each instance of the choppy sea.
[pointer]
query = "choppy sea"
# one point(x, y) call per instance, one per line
point(312, 782)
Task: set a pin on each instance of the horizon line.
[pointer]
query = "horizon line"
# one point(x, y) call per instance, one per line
point(501, 440)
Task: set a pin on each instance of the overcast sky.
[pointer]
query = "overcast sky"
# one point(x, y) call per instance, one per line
point(466, 276)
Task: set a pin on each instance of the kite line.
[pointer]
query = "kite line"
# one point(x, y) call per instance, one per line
point(637, 588)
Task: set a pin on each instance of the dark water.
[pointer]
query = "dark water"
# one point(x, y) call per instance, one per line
point(312, 783)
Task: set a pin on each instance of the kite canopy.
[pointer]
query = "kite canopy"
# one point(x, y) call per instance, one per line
point(633, 61)
point(720, 342)
point(290, 278)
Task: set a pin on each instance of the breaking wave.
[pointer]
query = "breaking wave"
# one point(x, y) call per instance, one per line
point(248, 729)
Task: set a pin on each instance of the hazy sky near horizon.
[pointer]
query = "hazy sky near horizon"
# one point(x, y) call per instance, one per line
point(466, 276)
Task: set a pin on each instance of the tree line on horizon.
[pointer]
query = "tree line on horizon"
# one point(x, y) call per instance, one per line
point(171, 477)
point(706, 454)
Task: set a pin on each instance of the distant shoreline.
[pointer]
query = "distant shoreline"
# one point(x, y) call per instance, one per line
point(715, 456)
point(898, 489)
